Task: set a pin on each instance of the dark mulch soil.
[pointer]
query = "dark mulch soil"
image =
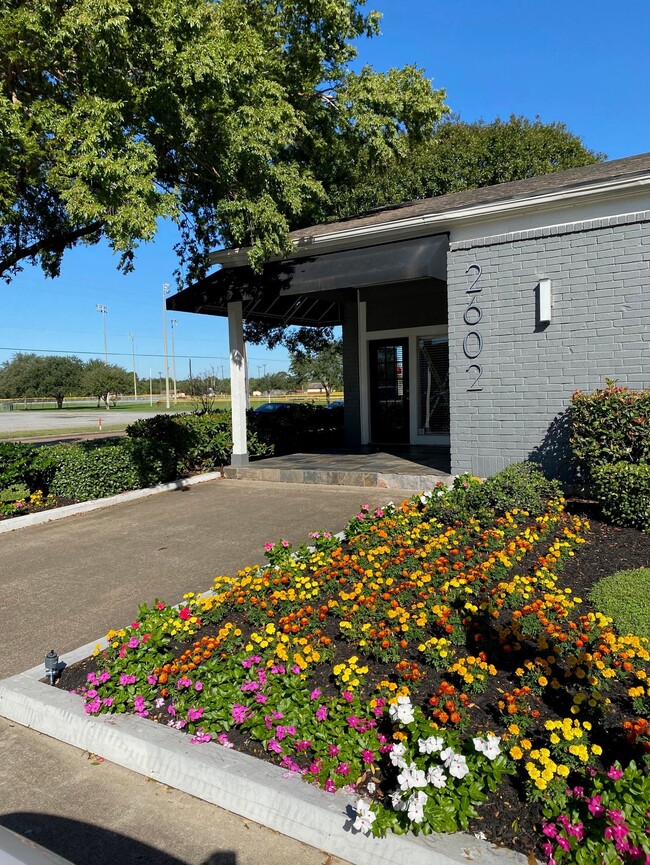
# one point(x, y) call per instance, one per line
point(506, 819)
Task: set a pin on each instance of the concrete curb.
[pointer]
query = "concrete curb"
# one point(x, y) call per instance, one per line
point(11, 525)
point(237, 782)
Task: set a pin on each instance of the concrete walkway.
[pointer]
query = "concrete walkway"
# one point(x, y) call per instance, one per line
point(66, 583)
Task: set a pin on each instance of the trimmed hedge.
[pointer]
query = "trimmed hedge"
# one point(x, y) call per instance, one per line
point(610, 425)
point(623, 490)
point(200, 441)
point(94, 470)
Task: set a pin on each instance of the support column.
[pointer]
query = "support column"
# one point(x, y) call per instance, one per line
point(237, 383)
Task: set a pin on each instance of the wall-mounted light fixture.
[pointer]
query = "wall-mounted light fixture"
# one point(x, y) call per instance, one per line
point(544, 301)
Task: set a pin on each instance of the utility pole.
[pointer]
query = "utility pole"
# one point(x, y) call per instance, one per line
point(102, 310)
point(135, 377)
point(173, 323)
point(150, 388)
point(165, 292)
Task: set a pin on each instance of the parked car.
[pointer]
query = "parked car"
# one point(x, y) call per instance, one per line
point(337, 403)
point(267, 407)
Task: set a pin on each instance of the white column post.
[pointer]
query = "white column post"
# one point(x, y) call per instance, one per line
point(237, 383)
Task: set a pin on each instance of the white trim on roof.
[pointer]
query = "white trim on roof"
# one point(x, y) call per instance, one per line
point(404, 228)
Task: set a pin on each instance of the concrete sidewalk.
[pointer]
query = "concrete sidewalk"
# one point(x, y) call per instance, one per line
point(65, 584)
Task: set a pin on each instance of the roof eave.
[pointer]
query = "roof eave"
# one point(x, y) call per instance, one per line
point(402, 229)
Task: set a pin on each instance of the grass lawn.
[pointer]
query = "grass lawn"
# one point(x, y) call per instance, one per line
point(443, 662)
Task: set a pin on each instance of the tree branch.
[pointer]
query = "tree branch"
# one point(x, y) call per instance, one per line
point(50, 243)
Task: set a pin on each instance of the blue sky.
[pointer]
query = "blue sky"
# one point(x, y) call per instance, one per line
point(583, 62)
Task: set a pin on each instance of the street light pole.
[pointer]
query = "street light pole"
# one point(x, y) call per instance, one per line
point(165, 292)
point(102, 310)
point(135, 377)
point(173, 323)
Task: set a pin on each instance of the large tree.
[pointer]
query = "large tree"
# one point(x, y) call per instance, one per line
point(50, 376)
point(105, 380)
point(456, 157)
point(324, 366)
point(226, 115)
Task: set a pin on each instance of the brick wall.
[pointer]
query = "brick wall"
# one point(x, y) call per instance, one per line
point(600, 328)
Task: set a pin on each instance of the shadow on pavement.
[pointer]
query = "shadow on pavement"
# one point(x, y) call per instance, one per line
point(85, 844)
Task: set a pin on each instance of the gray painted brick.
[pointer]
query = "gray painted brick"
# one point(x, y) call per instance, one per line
point(599, 329)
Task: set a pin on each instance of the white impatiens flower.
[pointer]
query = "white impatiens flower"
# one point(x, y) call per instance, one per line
point(365, 817)
point(416, 804)
point(455, 764)
point(431, 745)
point(437, 777)
point(397, 755)
point(402, 710)
point(397, 802)
point(411, 776)
point(488, 746)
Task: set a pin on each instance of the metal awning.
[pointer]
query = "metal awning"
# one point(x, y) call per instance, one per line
point(311, 289)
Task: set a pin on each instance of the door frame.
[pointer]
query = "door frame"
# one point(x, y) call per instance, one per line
point(412, 333)
point(393, 341)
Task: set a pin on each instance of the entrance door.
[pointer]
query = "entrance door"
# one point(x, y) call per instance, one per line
point(389, 393)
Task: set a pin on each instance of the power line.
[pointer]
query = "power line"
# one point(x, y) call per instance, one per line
point(55, 351)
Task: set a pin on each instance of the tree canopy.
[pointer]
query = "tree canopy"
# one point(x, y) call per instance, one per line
point(230, 116)
point(101, 380)
point(49, 376)
point(324, 366)
point(459, 156)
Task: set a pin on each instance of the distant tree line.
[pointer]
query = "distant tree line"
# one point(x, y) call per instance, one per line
point(55, 377)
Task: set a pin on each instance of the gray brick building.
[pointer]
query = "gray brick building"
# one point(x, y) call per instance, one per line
point(468, 319)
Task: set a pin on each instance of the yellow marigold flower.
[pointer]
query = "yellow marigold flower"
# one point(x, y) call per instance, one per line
point(516, 753)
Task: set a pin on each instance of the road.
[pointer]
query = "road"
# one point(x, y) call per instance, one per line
point(33, 422)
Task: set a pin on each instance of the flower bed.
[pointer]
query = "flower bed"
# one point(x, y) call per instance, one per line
point(429, 663)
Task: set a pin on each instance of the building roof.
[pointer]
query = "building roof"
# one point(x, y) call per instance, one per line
point(574, 181)
point(305, 287)
point(531, 187)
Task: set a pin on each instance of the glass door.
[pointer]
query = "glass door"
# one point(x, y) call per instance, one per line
point(389, 391)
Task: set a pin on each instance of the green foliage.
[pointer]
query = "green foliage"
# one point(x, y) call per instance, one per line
point(625, 598)
point(166, 428)
point(226, 116)
point(460, 156)
point(623, 490)
point(324, 366)
point(14, 493)
point(31, 375)
point(610, 425)
point(200, 441)
point(24, 464)
point(522, 486)
point(94, 470)
point(102, 379)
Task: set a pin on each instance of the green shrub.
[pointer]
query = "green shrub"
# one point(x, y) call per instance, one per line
point(623, 491)
point(625, 598)
point(521, 485)
point(24, 464)
point(14, 493)
point(610, 425)
point(94, 470)
point(167, 429)
point(201, 441)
